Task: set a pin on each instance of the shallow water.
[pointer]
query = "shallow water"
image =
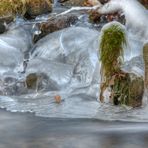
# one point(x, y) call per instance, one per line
point(27, 131)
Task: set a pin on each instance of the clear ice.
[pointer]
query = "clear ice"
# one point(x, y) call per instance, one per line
point(68, 60)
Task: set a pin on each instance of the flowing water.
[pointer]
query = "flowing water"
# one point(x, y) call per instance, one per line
point(68, 65)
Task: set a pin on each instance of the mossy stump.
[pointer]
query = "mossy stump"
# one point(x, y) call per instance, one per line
point(126, 88)
point(145, 57)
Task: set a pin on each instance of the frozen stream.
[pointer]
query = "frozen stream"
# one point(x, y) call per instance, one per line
point(69, 58)
point(67, 61)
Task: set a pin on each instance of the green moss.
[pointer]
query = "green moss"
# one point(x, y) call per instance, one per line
point(11, 7)
point(31, 81)
point(126, 88)
point(5, 8)
point(121, 91)
point(111, 48)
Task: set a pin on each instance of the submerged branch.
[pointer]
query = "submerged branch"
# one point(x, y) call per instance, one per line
point(80, 9)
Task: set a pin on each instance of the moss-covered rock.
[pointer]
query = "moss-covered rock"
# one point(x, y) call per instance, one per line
point(10, 8)
point(55, 24)
point(38, 7)
point(94, 17)
point(126, 88)
point(31, 81)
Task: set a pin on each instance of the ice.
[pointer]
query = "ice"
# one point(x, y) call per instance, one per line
point(75, 46)
point(135, 14)
point(68, 62)
point(59, 74)
point(13, 45)
point(18, 37)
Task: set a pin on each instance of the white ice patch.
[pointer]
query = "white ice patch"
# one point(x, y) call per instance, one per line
point(136, 15)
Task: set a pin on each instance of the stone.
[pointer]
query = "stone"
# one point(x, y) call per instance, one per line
point(10, 8)
point(28, 8)
point(94, 17)
point(31, 81)
point(2, 28)
point(128, 89)
point(38, 7)
point(144, 2)
point(55, 24)
point(37, 81)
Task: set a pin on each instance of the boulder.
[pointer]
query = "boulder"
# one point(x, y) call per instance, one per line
point(55, 24)
point(127, 89)
point(10, 8)
point(37, 7)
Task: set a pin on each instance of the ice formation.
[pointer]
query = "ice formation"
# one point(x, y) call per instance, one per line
point(14, 44)
point(135, 14)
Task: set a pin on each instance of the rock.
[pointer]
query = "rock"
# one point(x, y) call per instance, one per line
point(10, 8)
point(38, 7)
point(55, 24)
point(49, 74)
point(103, 1)
point(2, 28)
point(144, 2)
point(95, 17)
point(127, 89)
point(31, 81)
point(91, 3)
